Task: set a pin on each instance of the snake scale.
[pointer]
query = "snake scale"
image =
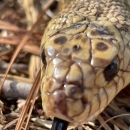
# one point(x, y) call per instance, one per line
point(86, 57)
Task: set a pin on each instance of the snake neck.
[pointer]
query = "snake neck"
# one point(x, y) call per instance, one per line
point(79, 3)
point(77, 11)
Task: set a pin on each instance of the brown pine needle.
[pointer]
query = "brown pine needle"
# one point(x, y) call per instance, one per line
point(17, 78)
point(31, 96)
point(6, 52)
point(10, 27)
point(111, 119)
point(24, 40)
point(15, 40)
point(32, 103)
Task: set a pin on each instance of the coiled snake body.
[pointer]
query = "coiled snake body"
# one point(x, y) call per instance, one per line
point(87, 49)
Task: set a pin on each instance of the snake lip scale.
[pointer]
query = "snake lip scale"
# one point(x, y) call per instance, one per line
point(86, 49)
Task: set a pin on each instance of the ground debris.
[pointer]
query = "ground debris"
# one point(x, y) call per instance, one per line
point(14, 24)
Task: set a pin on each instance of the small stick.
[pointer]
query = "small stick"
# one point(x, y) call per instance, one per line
point(59, 124)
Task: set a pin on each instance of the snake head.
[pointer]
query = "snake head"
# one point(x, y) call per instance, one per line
point(82, 71)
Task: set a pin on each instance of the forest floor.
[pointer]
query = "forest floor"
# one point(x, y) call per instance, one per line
point(18, 26)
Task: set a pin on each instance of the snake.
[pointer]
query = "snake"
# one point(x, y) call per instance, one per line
point(85, 52)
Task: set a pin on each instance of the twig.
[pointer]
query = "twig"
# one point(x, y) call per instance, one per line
point(14, 89)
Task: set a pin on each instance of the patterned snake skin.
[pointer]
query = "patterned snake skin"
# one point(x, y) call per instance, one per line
point(87, 50)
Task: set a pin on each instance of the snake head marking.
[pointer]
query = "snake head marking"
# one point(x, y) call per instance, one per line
point(60, 40)
point(101, 46)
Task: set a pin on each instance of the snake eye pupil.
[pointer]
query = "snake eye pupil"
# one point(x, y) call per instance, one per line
point(111, 71)
point(43, 57)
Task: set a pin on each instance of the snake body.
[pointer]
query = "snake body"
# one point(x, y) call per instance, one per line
point(87, 49)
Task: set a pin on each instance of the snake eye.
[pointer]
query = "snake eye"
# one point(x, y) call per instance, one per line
point(111, 71)
point(43, 58)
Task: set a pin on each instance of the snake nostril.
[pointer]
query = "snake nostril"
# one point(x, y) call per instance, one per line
point(76, 48)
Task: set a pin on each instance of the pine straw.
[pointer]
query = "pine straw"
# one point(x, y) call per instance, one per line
point(21, 46)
